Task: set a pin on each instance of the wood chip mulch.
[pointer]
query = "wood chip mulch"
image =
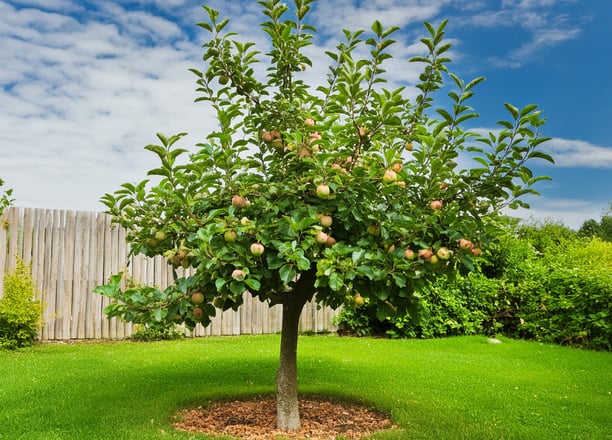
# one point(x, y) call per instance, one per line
point(255, 419)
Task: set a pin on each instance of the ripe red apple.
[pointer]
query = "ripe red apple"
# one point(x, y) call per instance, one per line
point(198, 313)
point(323, 191)
point(443, 253)
point(237, 273)
point(425, 254)
point(230, 235)
point(397, 167)
point(409, 254)
point(436, 205)
point(321, 237)
point(309, 122)
point(466, 244)
point(197, 298)
point(390, 176)
point(326, 221)
point(238, 201)
point(476, 252)
point(257, 249)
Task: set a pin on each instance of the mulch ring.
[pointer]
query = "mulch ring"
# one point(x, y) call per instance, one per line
point(255, 419)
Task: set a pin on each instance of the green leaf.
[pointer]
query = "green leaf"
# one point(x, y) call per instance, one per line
point(253, 284)
point(287, 273)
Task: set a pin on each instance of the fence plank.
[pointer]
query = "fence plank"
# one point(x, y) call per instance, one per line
point(4, 225)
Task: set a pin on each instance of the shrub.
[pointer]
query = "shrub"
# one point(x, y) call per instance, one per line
point(20, 311)
point(159, 332)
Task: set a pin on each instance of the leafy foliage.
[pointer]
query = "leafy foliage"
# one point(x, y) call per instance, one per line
point(20, 311)
point(539, 282)
point(601, 229)
point(5, 200)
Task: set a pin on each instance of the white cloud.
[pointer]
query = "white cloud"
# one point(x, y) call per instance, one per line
point(538, 21)
point(575, 153)
point(570, 212)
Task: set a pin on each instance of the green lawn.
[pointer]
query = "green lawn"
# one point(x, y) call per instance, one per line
point(456, 388)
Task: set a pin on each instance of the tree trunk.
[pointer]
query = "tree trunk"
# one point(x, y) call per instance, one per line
point(287, 411)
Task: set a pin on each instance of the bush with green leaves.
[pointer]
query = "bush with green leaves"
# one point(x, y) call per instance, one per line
point(20, 310)
point(317, 191)
point(538, 282)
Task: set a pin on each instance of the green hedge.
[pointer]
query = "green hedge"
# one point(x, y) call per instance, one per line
point(540, 282)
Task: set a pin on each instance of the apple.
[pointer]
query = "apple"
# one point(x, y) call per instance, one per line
point(244, 221)
point(358, 300)
point(160, 235)
point(409, 254)
point(443, 253)
point(433, 259)
point(330, 241)
point(321, 237)
point(323, 191)
point(257, 249)
point(425, 254)
point(198, 313)
point(223, 79)
point(326, 221)
point(275, 134)
point(397, 167)
point(277, 143)
point(465, 244)
point(436, 205)
point(443, 186)
point(197, 298)
point(267, 137)
point(408, 146)
point(237, 273)
point(230, 235)
point(238, 201)
point(390, 176)
point(309, 122)
point(476, 252)
point(374, 230)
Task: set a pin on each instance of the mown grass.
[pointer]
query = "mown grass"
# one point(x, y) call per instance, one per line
point(456, 388)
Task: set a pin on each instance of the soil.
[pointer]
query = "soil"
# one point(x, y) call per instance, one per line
point(255, 419)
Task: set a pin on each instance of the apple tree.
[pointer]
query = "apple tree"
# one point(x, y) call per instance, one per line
point(338, 192)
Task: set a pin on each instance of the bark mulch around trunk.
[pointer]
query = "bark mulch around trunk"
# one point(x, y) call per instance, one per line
point(255, 419)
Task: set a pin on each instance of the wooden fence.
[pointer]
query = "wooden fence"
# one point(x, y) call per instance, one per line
point(72, 252)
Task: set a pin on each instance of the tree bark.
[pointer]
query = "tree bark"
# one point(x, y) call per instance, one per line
point(287, 411)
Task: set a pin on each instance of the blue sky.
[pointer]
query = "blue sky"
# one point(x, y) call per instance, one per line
point(85, 85)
